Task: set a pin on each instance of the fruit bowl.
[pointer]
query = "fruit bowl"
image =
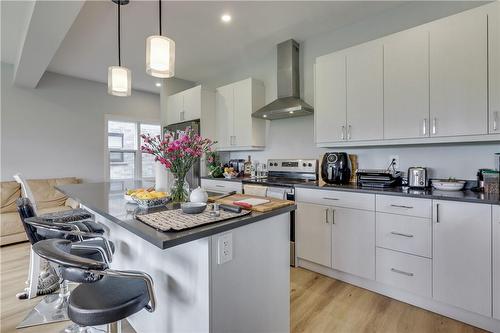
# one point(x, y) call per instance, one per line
point(147, 198)
point(150, 203)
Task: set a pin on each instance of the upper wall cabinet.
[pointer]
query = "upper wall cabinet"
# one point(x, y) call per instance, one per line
point(428, 84)
point(493, 12)
point(406, 89)
point(330, 109)
point(458, 75)
point(236, 128)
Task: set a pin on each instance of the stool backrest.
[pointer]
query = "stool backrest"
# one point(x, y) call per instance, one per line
point(26, 210)
point(26, 190)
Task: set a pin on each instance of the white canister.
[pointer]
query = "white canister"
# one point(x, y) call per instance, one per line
point(163, 178)
point(199, 195)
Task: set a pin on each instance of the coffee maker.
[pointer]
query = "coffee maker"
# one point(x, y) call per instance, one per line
point(336, 168)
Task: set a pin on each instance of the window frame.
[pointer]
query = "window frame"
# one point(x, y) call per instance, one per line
point(137, 152)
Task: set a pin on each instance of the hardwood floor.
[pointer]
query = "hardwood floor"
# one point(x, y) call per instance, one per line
point(318, 304)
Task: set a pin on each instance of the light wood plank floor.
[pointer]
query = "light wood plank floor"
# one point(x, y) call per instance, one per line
point(318, 304)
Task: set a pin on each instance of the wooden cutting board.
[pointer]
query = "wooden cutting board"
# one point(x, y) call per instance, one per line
point(271, 205)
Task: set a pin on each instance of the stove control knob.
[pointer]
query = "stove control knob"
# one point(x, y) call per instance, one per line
point(304, 165)
point(310, 165)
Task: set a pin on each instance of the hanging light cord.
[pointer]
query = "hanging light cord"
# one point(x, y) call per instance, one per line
point(119, 37)
point(159, 15)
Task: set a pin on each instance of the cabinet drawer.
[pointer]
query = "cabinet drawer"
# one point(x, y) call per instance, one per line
point(404, 206)
point(404, 233)
point(336, 198)
point(223, 186)
point(404, 271)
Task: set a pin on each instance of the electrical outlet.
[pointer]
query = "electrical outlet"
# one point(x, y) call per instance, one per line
point(396, 161)
point(225, 248)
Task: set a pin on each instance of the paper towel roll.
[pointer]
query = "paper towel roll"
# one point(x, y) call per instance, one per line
point(163, 178)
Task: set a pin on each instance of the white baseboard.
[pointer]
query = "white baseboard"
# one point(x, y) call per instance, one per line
point(465, 316)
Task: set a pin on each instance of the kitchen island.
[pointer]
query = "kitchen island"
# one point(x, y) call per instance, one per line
point(197, 289)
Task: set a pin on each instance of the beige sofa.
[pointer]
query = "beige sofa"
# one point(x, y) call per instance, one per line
point(48, 200)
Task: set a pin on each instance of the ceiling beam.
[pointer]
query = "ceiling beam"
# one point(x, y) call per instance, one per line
point(49, 23)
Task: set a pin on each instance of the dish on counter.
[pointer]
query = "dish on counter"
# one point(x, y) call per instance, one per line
point(193, 207)
point(230, 173)
point(450, 184)
point(147, 198)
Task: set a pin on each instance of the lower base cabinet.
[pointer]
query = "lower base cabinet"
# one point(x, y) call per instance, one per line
point(462, 255)
point(313, 233)
point(353, 241)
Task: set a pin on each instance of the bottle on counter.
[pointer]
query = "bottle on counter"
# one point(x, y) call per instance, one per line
point(248, 167)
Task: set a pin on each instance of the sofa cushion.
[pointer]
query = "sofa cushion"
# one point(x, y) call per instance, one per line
point(46, 195)
point(11, 224)
point(9, 192)
point(49, 210)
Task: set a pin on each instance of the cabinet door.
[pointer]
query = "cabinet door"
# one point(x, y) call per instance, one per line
point(365, 110)
point(313, 232)
point(192, 104)
point(224, 116)
point(462, 255)
point(174, 108)
point(494, 66)
point(406, 85)
point(330, 99)
point(458, 75)
point(242, 121)
point(496, 261)
point(353, 241)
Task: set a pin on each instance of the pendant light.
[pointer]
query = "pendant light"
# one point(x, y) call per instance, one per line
point(119, 77)
point(160, 53)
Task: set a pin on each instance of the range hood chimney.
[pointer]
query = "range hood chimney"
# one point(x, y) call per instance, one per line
point(288, 104)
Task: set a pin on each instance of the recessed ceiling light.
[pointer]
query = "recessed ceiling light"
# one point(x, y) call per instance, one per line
point(226, 18)
point(265, 116)
point(158, 84)
point(291, 112)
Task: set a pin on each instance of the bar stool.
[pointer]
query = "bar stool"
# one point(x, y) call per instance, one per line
point(53, 307)
point(110, 295)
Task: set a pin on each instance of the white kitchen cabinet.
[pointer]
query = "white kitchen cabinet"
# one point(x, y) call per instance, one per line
point(313, 233)
point(365, 105)
point(184, 106)
point(236, 128)
point(493, 12)
point(462, 255)
point(330, 100)
point(406, 84)
point(353, 241)
point(174, 108)
point(496, 261)
point(458, 75)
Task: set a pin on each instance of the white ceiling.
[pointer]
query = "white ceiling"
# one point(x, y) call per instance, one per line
point(204, 45)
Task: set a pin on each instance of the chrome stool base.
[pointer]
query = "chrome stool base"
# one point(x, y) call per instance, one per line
point(74, 328)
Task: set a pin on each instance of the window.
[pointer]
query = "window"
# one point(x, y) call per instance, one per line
point(124, 158)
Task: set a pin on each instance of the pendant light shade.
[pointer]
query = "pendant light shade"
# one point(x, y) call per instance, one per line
point(119, 77)
point(160, 53)
point(119, 81)
point(160, 56)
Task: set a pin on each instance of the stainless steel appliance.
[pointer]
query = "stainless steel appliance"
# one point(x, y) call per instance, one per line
point(417, 177)
point(282, 175)
point(193, 176)
point(238, 165)
point(288, 104)
point(380, 178)
point(336, 168)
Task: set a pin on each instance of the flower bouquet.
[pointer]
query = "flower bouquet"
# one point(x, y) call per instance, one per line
point(177, 155)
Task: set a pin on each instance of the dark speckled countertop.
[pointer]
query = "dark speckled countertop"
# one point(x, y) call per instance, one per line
point(106, 199)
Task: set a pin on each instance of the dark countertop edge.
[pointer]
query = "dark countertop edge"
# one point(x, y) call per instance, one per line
point(401, 194)
point(216, 229)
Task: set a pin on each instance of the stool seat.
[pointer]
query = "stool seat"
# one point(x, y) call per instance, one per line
point(108, 300)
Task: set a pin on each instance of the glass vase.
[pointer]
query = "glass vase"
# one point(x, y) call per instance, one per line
point(179, 191)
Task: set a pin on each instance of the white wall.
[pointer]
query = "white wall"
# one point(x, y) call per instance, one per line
point(294, 137)
point(57, 129)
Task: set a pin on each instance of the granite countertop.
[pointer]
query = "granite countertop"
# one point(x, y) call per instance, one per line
point(465, 195)
point(107, 199)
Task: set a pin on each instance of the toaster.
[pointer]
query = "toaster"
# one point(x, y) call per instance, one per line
point(417, 177)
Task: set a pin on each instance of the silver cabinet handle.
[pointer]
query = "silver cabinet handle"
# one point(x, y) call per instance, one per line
point(217, 185)
point(327, 198)
point(401, 234)
point(437, 213)
point(182, 115)
point(326, 215)
point(401, 272)
point(349, 130)
point(495, 120)
point(343, 132)
point(424, 127)
point(333, 216)
point(434, 125)
point(402, 206)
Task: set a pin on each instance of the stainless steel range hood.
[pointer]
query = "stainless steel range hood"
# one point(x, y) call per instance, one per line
point(288, 104)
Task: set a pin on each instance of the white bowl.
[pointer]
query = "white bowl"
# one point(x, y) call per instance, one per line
point(193, 207)
point(443, 185)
